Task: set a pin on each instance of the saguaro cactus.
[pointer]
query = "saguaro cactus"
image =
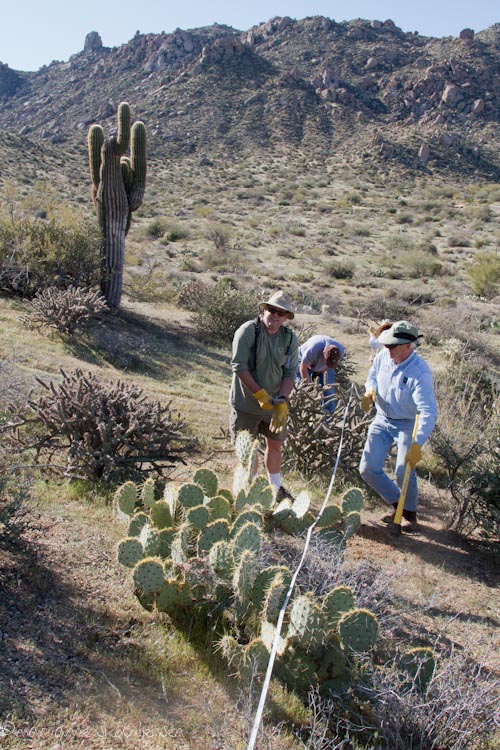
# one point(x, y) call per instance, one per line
point(118, 184)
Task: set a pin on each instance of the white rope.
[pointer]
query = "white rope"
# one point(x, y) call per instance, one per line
point(274, 649)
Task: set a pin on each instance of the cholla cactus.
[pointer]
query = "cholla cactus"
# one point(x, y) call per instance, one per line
point(118, 184)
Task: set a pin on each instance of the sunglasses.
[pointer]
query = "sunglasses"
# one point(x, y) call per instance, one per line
point(276, 311)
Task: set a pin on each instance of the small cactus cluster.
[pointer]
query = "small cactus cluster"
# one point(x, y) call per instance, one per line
point(200, 547)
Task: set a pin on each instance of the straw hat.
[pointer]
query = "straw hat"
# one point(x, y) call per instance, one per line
point(282, 301)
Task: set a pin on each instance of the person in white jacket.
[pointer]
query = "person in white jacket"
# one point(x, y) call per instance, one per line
point(400, 385)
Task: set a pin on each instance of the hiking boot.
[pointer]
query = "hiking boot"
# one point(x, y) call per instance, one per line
point(409, 521)
point(283, 494)
point(389, 517)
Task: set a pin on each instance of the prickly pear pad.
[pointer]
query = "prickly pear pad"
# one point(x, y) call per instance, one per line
point(207, 480)
point(358, 630)
point(130, 552)
point(352, 499)
point(149, 575)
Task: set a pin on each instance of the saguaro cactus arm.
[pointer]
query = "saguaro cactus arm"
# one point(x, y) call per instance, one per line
point(137, 166)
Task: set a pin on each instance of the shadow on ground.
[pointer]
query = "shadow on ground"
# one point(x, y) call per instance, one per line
point(136, 343)
point(443, 549)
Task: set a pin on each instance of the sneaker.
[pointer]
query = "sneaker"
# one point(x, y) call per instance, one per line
point(283, 494)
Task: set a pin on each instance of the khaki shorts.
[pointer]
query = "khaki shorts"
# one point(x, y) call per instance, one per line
point(240, 420)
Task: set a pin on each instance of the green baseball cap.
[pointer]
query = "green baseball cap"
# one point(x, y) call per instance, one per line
point(401, 332)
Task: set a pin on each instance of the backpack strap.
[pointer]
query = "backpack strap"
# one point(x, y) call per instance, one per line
point(257, 331)
point(289, 336)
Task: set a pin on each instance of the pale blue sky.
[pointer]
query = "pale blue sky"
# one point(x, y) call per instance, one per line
point(35, 32)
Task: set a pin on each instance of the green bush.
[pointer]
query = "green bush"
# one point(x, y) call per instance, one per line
point(421, 264)
point(385, 308)
point(484, 274)
point(221, 309)
point(36, 254)
point(175, 232)
point(219, 234)
point(339, 270)
point(155, 229)
point(466, 442)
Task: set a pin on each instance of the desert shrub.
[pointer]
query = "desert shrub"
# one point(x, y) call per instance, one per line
point(416, 298)
point(307, 301)
point(483, 507)
point(14, 491)
point(213, 259)
point(298, 231)
point(35, 254)
point(190, 293)
point(459, 709)
point(385, 308)
point(221, 310)
point(339, 269)
point(219, 235)
point(426, 246)
point(421, 264)
point(404, 219)
point(85, 428)
point(149, 284)
point(484, 274)
point(155, 229)
point(65, 309)
point(454, 240)
point(399, 243)
point(175, 232)
point(465, 442)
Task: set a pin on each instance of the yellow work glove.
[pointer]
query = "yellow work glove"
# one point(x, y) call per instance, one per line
point(280, 413)
point(413, 454)
point(368, 400)
point(264, 399)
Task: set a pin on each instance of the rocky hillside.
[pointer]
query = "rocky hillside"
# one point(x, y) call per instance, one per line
point(365, 86)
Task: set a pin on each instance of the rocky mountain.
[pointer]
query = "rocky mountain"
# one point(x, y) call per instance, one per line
point(312, 84)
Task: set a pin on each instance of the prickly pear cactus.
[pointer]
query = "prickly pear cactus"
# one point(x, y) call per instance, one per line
point(338, 601)
point(125, 500)
point(118, 184)
point(207, 480)
point(203, 549)
point(149, 575)
point(148, 492)
point(247, 451)
point(358, 630)
point(420, 664)
point(130, 551)
point(352, 500)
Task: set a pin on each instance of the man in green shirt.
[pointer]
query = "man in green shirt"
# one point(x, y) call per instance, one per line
point(264, 361)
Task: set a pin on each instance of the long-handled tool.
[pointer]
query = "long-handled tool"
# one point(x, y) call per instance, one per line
point(395, 525)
